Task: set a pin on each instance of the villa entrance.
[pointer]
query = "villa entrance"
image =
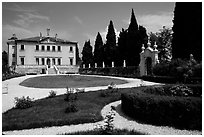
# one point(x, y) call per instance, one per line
point(48, 62)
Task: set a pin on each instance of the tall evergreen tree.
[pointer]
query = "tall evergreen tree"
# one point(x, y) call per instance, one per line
point(78, 59)
point(133, 45)
point(110, 46)
point(98, 50)
point(87, 55)
point(122, 48)
point(187, 28)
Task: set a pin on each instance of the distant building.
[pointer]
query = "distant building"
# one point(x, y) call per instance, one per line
point(42, 55)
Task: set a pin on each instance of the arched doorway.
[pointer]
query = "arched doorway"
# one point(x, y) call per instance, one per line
point(48, 62)
point(148, 63)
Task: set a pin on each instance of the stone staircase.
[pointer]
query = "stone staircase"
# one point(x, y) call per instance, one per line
point(52, 70)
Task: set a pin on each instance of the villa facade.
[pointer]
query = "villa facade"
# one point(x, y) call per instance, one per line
point(42, 55)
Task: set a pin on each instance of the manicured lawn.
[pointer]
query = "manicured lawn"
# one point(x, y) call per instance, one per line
point(51, 112)
point(73, 81)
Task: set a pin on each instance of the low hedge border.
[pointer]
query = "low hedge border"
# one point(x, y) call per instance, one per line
point(178, 112)
point(11, 76)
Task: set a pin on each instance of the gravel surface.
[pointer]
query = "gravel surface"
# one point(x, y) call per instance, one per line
point(121, 121)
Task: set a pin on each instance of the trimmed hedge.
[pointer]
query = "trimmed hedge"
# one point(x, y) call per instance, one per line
point(171, 80)
point(116, 71)
point(11, 76)
point(178, 112)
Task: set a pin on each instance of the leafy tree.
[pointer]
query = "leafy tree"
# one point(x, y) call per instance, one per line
point(87, 55)
point(163, 40)
point(187, 28)
point(110, 46)
point(98, 50)
point(143, 38)
point(5, 62)
point(165, 44)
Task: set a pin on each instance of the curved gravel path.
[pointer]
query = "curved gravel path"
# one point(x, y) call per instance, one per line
point(120, 120)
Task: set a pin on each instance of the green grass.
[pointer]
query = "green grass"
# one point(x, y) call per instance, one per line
point(51, 112)
point(114, 132)
point(62, 81)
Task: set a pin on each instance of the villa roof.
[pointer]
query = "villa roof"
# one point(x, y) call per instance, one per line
point(39, 39)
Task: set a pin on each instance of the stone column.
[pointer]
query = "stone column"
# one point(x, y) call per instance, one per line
point(103, 65)
point(124, 64)
point(95, 65)
point(112, 64)
point(89, 65)
point(84, 66)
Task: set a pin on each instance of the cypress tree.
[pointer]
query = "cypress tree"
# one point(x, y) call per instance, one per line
point(122, 48)
point(133, 46)
point(187, 28)
point(87, 55)
point(98, 50)
point(110, 46)
point(78, 59)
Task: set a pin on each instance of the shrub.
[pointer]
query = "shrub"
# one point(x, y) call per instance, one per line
point(71, 108)
point(52, 94)
point(70, 95)
point(182, 70)
point(23, 103)
point(179, 112)
point(12, 75)
point(107, 128)
point(181, 90)
point(175, 90)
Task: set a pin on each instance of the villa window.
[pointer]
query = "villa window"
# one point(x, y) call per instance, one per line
point(22, 47)
point(13, 55)
point(43, 48)
point(71, 49)
point(59, 61)
point(22, 60)
point(37, 61)
point(37, 47)
point(71, 61)
point(48, 48)
point(53, 48)
point(59, 48)
point(43, 61)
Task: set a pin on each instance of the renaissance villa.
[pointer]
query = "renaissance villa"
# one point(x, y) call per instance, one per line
point(42, 55)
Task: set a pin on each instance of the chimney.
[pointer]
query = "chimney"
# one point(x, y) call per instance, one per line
point(48, 32)
point(13, 37)
point(56, 37)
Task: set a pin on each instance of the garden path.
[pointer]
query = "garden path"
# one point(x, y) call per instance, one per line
point(120, 120)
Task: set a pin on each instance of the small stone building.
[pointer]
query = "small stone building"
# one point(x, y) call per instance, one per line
point(148, 58)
